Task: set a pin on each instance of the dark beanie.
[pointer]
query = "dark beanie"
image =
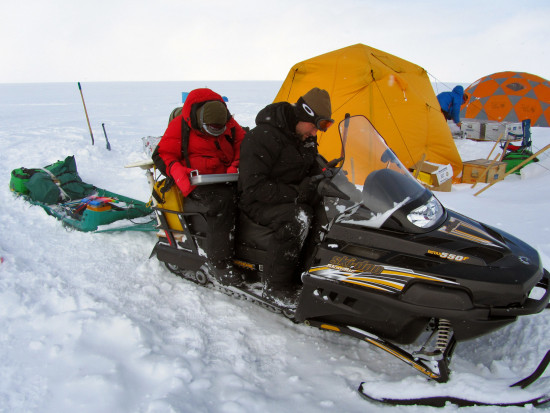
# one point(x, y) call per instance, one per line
point(213, 112)
point(313, 105)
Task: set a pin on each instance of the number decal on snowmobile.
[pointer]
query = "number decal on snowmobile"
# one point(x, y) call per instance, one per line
point(449, 256)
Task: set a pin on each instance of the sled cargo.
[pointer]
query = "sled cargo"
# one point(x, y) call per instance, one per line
point(60, 191)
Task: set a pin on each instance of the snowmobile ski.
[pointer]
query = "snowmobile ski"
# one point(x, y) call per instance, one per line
point(440, 401)
point(523, 383)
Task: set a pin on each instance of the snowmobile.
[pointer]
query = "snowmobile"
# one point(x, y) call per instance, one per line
point(390, 265)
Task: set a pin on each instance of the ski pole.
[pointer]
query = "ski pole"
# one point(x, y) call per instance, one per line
point(86, 112)
point(106, 140)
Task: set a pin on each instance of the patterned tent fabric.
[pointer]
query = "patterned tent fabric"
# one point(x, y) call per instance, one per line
point(509, 97)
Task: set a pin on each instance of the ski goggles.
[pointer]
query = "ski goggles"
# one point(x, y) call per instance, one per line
point(323, 124)
point(213, 129)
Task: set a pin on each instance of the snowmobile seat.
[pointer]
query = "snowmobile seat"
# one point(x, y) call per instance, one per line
point(252, 234)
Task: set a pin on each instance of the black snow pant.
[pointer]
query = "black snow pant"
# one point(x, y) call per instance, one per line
point(218, 203)
point(291, 224)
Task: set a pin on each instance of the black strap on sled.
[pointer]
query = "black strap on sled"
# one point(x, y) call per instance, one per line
point(168, 182)
point(185, 132)
point(26, 173)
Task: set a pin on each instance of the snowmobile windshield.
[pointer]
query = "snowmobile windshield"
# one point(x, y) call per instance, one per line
point(382, 185)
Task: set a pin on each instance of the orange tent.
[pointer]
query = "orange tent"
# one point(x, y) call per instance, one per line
point(509, 97)
point(394, 94)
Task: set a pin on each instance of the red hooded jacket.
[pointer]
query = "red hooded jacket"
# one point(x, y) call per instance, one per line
point(208, 154)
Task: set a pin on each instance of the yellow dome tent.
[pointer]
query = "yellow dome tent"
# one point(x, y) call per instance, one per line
point(394, 94)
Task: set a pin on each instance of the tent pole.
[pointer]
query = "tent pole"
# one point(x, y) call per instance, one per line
point(495, 145)
point(504, 150)
point(419, 165)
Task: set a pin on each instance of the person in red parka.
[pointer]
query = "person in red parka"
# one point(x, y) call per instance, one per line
point(213, 148)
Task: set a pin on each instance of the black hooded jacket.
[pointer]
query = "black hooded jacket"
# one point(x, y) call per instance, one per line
point(274, 160)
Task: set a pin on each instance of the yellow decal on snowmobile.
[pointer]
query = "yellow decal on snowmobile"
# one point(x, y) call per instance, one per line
point(464, 230)
point(388, 279)
point(449, 256)
point(244, 264)
point(329, 327)
point(412, 274)
point(366, 280)
point(365, 284)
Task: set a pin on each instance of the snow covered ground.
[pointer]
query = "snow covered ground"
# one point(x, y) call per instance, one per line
point(89, 324)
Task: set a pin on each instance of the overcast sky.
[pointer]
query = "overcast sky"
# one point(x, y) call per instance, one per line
point(162, 40)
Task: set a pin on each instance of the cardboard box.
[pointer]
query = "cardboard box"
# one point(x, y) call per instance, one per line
point(474, 171)
point(438, 177)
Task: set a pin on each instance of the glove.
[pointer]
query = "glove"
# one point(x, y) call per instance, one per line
point(307, 190)
point(232, 170)
point(180, 174)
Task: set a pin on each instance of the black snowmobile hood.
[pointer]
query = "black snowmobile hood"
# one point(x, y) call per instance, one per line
point(496, 258)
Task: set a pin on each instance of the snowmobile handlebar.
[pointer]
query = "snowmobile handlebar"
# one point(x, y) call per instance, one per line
point(328, 171)
point(326, 174)
point(334, 162)
point(324, 187)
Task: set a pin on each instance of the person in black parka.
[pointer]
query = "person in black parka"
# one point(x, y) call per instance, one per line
point(278, 159)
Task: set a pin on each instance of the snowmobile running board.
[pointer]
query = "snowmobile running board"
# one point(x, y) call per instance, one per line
point(441, 401)
point(203, 278)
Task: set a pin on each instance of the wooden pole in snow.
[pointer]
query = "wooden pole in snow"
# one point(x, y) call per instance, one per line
point(495, 145)
point(486, 171)
point(515, 168)
point(86, 112)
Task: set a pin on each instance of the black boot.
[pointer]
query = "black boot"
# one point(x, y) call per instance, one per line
point(284, 297)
